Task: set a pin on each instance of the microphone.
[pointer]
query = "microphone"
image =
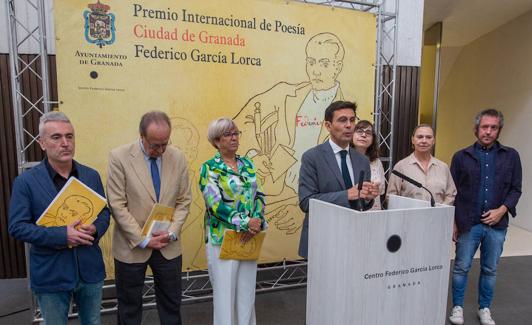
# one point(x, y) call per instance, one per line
point(359, 203)
point(416, 184)
point(360, 180)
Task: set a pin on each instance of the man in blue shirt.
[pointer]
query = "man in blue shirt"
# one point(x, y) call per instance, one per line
point(65, 261)
point(488, 180)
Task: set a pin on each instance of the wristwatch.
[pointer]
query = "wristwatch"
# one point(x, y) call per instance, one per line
point(172, 236)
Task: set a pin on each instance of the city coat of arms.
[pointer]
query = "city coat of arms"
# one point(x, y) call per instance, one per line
point(99, 24)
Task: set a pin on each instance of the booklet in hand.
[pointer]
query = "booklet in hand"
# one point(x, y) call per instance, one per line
point(159, 219)
point(233, 248)
point(76, 201)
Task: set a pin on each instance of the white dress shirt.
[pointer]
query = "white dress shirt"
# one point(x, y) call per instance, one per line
point(336, 149)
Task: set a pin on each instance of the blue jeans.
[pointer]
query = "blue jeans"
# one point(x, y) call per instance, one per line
point(88, 298)
point(491, 243)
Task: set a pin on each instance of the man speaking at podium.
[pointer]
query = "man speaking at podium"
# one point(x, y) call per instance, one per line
point(333, 171)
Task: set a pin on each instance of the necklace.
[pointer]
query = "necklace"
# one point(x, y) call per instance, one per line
point(233, 166)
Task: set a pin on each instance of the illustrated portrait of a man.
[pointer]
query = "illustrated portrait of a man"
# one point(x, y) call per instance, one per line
point(75, 207)
point(281, 123)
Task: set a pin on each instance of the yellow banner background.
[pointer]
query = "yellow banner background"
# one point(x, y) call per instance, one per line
point(105, 90)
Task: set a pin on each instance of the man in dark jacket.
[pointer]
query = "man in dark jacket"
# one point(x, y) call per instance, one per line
point(65, 261)
point(488, 179)
point(330, 171)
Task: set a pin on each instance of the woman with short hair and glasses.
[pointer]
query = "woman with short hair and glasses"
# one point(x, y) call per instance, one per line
point(365, 142)
point(422, 167)
point(234, 200)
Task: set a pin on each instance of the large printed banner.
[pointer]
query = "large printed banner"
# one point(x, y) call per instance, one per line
point(273, 66)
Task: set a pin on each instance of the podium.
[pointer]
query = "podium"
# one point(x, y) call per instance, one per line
point(388, 267)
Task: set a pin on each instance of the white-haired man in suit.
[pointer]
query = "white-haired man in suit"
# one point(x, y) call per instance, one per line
point(140, 174)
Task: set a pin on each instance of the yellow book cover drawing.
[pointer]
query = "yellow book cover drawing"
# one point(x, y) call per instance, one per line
point(159, 219)
point(233, 249)
point(75, 201)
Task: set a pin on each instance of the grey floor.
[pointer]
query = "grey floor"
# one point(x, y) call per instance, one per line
point(512, 304)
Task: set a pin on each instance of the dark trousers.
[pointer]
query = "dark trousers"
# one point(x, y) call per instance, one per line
point(130, 282)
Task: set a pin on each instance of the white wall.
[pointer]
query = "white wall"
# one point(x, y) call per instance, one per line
point(28, 17)
point(492, 71)
point(410, 31)
point(3, 28)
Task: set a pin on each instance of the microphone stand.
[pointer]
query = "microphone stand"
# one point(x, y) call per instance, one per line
point(416, 184)
point(432, 201)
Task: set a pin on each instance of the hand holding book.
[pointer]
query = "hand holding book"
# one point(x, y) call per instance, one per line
point(235, 247)
point(159, 240)
point(77, 237)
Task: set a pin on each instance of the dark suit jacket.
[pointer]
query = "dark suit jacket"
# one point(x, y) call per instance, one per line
point(53, 266)
point(320, 178)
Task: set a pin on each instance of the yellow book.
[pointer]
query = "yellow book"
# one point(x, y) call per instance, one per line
point(159, 219)
point(76, 201)
point(233, 249)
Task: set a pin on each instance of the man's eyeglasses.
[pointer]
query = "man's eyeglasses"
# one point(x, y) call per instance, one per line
point(157, 146)
point(367, 132)
point(232, 134)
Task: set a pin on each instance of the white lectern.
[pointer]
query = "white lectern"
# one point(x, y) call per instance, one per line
point(386, 267)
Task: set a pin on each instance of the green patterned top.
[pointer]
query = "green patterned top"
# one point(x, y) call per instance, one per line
point(231, 198)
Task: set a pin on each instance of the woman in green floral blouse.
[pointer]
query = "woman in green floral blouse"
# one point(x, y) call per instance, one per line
point(234, 200)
